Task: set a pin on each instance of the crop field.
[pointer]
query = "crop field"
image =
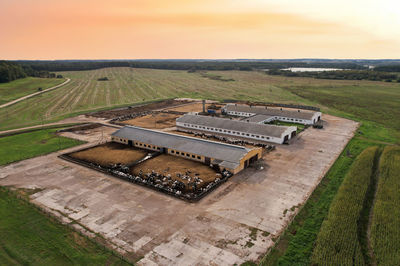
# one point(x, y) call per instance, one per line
point(43, 241)
point(338, 241)
point(153, 121)
point(27, 145)
point(21, 87)
point(110, 153)
point(385, 228)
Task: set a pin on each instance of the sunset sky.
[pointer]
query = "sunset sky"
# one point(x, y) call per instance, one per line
point(139, 29)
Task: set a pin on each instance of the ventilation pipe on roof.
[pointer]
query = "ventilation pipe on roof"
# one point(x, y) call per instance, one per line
point(298, 111)
point(204, 105)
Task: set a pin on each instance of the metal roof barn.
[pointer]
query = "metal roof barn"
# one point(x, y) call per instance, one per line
point(307, 115)
point(221, 151)
point(235, 125)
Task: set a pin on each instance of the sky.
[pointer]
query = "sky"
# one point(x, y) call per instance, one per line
point(199, 29)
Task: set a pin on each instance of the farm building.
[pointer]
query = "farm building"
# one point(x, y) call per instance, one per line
point(252, 132)
point(226, 156)
point(263, 114)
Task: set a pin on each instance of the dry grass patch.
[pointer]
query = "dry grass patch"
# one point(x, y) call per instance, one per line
point(110, 153)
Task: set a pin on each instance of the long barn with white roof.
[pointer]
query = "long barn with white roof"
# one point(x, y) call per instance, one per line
point(251, 132)
point(262, 114)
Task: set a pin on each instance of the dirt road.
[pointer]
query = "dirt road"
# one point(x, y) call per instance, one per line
point(34, 94)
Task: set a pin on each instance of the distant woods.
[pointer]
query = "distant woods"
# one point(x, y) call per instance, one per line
point(351, 69)
point(10, 71)
point(341, 74)
point(189, 65)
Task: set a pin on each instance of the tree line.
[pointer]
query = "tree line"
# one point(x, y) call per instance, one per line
point(340, 74)
point(388, 68)
point(10, 71)
point(189, 65)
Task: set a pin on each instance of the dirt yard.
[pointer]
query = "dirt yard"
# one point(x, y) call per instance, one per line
point(153, 121)
point(173, 165)
point(193, 107)
point(138, 109)
point(110, 153)
point(229, 226)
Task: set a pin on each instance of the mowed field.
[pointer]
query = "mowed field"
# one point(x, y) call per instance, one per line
point(21, 87)
point(126, 86)
point(129, 86)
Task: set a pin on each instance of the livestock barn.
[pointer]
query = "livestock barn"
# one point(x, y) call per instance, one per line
point(252, 132)
point(263, 114)
point(226, 156)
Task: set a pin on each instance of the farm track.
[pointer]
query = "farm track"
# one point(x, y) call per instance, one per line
point(34, 94)
point(365, 225)
point(371, 214)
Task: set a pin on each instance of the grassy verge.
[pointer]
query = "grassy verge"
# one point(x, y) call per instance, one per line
point(27, 145)
point(338, 241)
point(22, 87)
point(385, 227)
point(28, 237)
point(296, 245)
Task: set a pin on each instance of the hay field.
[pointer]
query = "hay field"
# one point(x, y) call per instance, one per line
point(153, 121)
point(168, 164)
point(110, 153)
point(128, 86)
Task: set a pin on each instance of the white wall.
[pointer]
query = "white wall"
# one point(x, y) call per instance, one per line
point(233, 133)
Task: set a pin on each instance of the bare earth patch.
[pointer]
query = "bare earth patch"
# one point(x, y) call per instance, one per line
point(110, 153)
point(153, 121)
point(236, 222)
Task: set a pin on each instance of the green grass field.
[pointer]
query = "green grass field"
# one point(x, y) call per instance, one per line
point(126, 86)
point(338, 241)
point(27, 145)
point(21, 87)
point(27, 237)
point(385, 228)
point(129, 86)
